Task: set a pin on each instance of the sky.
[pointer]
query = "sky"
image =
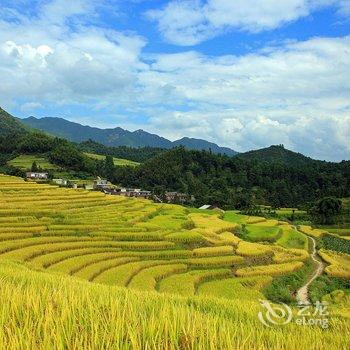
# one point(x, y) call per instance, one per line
point(241, 73)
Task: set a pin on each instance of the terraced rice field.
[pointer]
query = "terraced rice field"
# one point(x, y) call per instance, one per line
point(314, 232)
point(67, 255)
point(339, 263)
point(138, 244)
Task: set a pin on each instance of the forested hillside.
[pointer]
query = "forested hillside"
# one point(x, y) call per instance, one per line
point(140, 154)
point(277, 154)
point(9, 124)
point(16, 139)
point(236, 182)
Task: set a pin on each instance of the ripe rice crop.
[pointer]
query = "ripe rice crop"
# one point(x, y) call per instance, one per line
point(216, 261)
point(208, 251)
point(51, 258)
point(339, 263)
point(255, 220)
point(211, 223)
point(246, 288)
point(91, 271)
point(56, 312)
point(287, 255)
point(76, 263)
point(147, 279)
point(111, 239)
point(228, 238)
point(268, 223)
point(253, 249)
point(122, 275)
point(317, 233)
point(186, 237)
point(187, 283)
point(270, 270)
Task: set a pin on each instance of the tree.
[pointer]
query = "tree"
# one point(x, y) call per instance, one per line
point(326, 210)
point(34, 167)
point(109, 168)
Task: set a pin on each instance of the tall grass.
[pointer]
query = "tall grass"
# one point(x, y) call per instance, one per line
point(48, 312)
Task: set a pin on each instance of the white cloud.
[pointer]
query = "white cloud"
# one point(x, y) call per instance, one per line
point(297, 93)
point(188, 22)
point(28, 106)
point(53, 58)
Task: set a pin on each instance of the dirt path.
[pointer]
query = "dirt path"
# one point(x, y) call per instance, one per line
point(302, 293)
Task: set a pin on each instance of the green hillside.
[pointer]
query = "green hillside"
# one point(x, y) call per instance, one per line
point(10, 125)
point(277, 154)
point(233, 182)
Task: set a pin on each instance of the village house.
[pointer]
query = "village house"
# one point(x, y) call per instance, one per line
point(88, 186)
point(129, 192)
point(100, 184)
point(135, 192)
point(61, 182)
point(144, 194)
point(72, 184)
point(37, 176)
point(177, 197)
point(210, 207)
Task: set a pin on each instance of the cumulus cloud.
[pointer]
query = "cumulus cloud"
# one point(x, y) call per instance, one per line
point(296, 93)
point(188, 22)
point(52, 57)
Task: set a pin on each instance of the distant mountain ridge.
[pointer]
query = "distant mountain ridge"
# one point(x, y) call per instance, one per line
point(118, 136)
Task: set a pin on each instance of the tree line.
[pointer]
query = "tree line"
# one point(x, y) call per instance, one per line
point(232, 182)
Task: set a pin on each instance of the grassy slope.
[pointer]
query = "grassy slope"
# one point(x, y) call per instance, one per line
point(24, 162)
point(117, 161)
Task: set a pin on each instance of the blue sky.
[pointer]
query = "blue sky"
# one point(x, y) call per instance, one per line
point(244, 74)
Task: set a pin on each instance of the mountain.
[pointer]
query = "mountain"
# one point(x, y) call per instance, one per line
point(9, 124)
point(277, 154)
point(118, 136)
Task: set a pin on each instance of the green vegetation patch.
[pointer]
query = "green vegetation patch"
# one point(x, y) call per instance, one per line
point(292, 238)
point(233, 216)
point(282, 288)
point(331, 242)
point(117, 161)
point(25, 162)
point(324, 285)
point(258, 233)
